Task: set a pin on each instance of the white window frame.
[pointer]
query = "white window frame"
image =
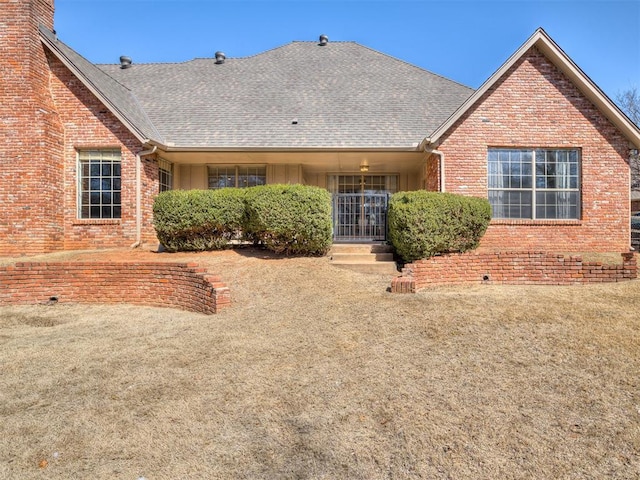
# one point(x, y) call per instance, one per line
point(99, 193)
point(538, 178)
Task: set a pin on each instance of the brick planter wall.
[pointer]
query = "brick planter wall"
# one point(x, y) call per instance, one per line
point(514, 268)
point(176, 285)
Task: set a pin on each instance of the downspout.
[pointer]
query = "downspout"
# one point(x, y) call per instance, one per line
point(139, 156)
point(441, 167)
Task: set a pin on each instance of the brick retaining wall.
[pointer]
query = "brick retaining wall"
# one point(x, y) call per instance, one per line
point(514, 268)
point(177, 285)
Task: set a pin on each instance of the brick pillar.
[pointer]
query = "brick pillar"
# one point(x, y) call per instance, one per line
point(31, 134)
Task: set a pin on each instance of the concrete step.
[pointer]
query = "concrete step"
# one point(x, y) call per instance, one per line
point(361, 248)
point(364, 258)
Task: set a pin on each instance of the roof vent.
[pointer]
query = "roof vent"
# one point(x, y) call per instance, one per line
point(220, 57)
point(323, 40)
point(125, 62)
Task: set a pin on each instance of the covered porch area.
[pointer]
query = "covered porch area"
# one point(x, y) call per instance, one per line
point(361, 181)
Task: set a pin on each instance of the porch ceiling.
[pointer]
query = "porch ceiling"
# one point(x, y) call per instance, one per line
point(312, 161)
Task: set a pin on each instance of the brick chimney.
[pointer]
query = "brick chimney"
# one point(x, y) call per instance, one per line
point(31, 136)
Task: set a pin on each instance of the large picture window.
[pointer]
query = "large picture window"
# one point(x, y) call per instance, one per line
point(99, 183)
point(221, 176)
point(534, 183)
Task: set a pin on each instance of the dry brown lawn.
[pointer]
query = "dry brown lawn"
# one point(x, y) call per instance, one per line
point(317, 372)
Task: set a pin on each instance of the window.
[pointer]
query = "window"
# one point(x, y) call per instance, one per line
point(165, 175)
point(221, 176)
point(99, 183)
point(534, 183)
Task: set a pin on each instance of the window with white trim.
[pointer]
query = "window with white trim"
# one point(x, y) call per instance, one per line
point(99, 183)
point(165, 175)
point(241, 176)
point(534, 183)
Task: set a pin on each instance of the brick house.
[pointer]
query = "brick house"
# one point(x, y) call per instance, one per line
point(85, 148)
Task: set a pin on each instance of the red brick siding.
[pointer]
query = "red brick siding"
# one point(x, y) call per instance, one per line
point(31, 134)
point(536, 105)
point(433, 173)
point(47, 114)
point(177, 285)
point(88, 124)
point(150, 176)
point(515, 268)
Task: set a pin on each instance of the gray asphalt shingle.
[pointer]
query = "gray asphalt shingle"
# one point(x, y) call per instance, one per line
point(121, 98)
point(342, 95)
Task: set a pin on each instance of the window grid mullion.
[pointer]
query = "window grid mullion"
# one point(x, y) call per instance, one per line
point(534, 185)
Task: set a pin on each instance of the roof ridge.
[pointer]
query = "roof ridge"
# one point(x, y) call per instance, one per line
point(213, 58)
point(415, 66)
point(317, 43)
point(99, 65)
point(264, 51)
point(286, 45)
point(353, 42)
point(253, 55)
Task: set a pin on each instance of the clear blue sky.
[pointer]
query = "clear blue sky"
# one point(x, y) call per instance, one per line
point(465, 41)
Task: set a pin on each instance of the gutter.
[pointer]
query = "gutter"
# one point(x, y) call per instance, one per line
point(139, 156)
point(173, 148)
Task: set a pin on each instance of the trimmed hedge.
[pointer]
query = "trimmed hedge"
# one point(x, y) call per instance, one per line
point(423, 224)
point(290, 219)
point(188, 220)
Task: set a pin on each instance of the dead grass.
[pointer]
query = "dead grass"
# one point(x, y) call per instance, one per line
point(317, 372)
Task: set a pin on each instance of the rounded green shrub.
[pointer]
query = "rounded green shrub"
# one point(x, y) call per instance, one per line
point(423, 224)
point(188, 220)
point(289, 219)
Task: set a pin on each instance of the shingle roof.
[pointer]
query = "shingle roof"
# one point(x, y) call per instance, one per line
point(122, 100)
point(342, 95)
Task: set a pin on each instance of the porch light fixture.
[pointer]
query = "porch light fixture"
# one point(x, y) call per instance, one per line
point(364, 166)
